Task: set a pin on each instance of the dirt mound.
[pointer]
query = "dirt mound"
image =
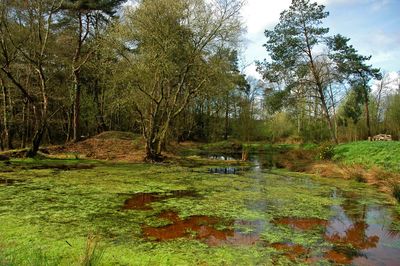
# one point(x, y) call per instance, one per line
point(111, 145)
point(117, 135)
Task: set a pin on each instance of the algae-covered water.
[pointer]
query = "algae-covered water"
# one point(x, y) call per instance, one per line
point(59, 213)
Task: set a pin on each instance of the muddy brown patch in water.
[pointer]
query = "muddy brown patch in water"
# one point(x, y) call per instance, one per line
point(202, 228)
point(141, 201)
point(302, 223)
point(292, 251)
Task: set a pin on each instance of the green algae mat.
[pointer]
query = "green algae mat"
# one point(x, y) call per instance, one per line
point(72, 212)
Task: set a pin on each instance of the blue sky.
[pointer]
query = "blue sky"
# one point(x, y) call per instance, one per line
point(372, 25)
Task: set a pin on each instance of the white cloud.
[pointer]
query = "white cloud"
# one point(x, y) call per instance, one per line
point(379, 4)
point(261, 14)
point(251, 70)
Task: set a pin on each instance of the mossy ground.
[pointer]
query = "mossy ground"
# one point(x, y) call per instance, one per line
point(47, 214)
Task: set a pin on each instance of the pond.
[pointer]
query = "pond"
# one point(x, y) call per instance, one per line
point(356, 231)
point(168, 214)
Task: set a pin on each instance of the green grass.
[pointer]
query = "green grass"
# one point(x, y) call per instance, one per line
point(47, 216)
point(385, 154)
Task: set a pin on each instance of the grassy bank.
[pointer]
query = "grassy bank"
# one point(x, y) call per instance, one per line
point(385, 154)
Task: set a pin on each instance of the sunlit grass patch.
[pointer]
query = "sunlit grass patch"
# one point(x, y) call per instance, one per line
point(369, 153)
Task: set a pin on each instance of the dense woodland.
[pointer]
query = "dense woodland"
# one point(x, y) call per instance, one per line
point(171, 71)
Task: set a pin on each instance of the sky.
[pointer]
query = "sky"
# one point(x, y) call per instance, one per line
point(373, 27)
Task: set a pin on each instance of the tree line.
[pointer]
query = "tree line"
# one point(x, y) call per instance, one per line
point(322, 82)
point(170, 70)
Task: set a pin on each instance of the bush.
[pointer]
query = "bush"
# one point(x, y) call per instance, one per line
point(326, 151)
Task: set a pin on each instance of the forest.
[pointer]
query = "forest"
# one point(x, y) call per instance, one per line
point(132, 134)
point(73, 69)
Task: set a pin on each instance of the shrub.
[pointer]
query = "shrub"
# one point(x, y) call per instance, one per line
point(326, 151)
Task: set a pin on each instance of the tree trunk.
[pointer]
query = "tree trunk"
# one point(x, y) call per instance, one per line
point(335, 124)
point(7, 115)
point(332, 129)
point(77, 106)
point(226, 117)
point(36, 142)
point(101, 125)
point(1, 143)
point(320, 88)
point(24, 123)
point(367, 116)
point(41, 123)
point(155, 138)
point(153, 154)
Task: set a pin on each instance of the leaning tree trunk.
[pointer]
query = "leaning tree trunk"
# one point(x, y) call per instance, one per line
point(41, 123)
point(320, 89)
point(37, 139)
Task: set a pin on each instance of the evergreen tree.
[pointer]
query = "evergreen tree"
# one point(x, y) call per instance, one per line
point(354, 68)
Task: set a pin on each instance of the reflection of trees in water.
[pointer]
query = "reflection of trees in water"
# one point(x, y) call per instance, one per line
point(353, 209)
point(262, 160)
point(353, 238)
point(356, 236)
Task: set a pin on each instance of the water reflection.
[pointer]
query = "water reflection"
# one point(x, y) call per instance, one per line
point(224, 157)
point(265, 160)
point(360, 237)
point(224, 170)
point(357, 233)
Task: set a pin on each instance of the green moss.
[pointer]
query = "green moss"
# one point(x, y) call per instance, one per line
point(54, 211)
